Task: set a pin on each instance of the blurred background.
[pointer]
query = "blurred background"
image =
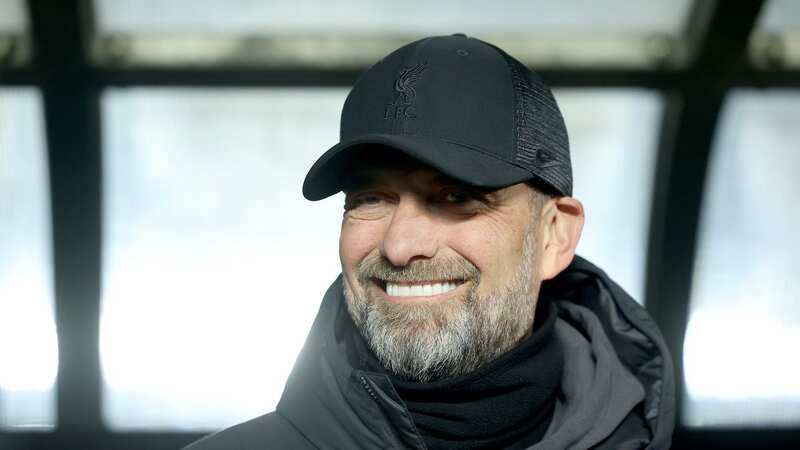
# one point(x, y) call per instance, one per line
point(159, 268)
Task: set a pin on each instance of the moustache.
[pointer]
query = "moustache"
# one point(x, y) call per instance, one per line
point(376, 266)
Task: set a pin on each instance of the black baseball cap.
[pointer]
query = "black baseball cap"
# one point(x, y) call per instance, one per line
point(458, 104)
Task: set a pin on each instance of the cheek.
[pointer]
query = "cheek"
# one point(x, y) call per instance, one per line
point(496, 254)
point(357, 240)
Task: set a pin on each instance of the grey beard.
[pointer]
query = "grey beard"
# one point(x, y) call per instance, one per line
point(433, 341)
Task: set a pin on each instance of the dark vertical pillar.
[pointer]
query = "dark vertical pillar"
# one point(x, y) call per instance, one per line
point(718, 36)
point(73, 137)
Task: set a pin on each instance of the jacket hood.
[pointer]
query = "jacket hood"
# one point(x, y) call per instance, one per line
point(617, 392)
point(634, 336)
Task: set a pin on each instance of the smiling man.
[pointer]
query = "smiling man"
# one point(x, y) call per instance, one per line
point(441, 277)
point(462, 318)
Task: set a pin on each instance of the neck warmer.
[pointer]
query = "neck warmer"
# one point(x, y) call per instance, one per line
point(508, 403)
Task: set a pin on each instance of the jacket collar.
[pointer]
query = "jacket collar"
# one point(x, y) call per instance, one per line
point(337, 405)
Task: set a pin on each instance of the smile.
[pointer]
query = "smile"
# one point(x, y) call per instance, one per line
point(420, 289)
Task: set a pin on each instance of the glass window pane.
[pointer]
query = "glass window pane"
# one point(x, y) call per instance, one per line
point(15, 42)
point(28, 345)
point(780, 16)
point(613, 167)
point(13, 19)
point(358, 32)
point(417, 16)
point(776, 38)
point(744, 329)
point(214, 263)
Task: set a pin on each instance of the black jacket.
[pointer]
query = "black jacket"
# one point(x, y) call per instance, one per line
point(617, 391)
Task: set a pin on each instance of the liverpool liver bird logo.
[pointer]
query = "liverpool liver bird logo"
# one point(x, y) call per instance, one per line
point(402, 108)
point(404, 85)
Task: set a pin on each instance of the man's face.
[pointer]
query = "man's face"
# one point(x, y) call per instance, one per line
point(440, 278)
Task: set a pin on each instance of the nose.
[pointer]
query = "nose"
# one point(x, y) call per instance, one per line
point(411, 233)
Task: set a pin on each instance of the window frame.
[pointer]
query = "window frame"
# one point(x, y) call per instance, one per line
point(717, 41)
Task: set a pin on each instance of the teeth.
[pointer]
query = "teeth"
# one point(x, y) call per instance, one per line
point(418, 290)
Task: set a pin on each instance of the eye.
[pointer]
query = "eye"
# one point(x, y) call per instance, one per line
point(457, 197)
point(363, 200)
point(462, 200)
point(368, 199)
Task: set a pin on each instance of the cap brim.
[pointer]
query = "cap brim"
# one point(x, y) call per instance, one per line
point(468, 165)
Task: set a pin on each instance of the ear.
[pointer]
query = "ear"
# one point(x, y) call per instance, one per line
point(561, 229)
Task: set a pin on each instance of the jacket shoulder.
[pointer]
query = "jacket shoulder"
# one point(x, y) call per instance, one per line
point(270, 431)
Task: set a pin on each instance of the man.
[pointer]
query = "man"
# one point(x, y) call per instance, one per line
point(462, 318)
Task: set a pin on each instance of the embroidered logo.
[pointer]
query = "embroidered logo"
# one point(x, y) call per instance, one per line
point(402, 108)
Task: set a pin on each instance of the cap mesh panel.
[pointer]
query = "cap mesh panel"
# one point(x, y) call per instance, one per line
point(542, 142)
